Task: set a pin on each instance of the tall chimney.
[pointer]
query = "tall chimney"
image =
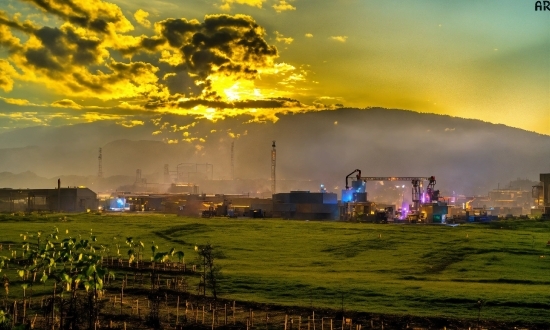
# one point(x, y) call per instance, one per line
point(273, 163)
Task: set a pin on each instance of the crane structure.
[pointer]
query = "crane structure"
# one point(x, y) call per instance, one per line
point(418, 197)
point(426, 204)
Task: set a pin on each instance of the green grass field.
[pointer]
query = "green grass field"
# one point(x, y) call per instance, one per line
point(423, 270)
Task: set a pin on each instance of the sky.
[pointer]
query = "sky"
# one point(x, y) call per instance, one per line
point(64, 62)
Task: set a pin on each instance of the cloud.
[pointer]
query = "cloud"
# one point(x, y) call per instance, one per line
point(339, 38)
point(226, 4)
point(66, 103)
point(23, 116)
point(245, 104)
point(309, 35)
point(130, 123)
point(214, 68)
point(280, 38)
point(283, 6)
point(141, 17)
point(16, 101)
point(6, 73)
point(95, 15)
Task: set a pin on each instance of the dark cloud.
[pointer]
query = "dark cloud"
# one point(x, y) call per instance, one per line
point(61, 50)
point(181, 83)
point(95, 15)
point(230, 45)
point(41, 58)
point(178, 31)
point(220, 104)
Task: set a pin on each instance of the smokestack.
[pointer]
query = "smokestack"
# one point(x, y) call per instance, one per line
point(232, 166)
point(166, 174)
point(273, 163)
point(100, 165)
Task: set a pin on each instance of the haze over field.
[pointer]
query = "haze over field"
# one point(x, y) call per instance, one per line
point(467, 156)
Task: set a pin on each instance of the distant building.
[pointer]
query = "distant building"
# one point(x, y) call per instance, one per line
point(70, 199)
point(305, 205)
point(545, 180)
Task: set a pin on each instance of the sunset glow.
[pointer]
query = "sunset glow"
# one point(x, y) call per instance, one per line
point(79, 61)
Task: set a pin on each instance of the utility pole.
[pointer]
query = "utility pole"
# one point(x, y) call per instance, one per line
point(273, 164)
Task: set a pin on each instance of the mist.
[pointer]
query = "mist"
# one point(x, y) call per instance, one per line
point(466, 156)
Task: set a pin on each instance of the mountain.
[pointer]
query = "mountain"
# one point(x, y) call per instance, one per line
point(466, 156)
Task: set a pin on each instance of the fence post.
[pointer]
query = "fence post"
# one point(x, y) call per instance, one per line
point(225, 314)
point(178, 311)
point(202, 314)
point(286, 319)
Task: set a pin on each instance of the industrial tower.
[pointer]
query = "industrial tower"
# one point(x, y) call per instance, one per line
point(100, 169)
point(273, 163)
point(166, 174)
point(232, 164)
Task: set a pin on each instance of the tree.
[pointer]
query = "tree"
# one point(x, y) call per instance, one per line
point(208, 254)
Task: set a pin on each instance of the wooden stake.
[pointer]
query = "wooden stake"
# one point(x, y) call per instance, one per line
point(121, 297)
point(178, 311)
point(14, 312)
point(225, 314)
point(202, 314)
point(286, 320)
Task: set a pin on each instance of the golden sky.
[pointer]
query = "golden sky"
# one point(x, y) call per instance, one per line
point(130, 61)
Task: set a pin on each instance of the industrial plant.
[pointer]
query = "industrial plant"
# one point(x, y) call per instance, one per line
point(181, 192)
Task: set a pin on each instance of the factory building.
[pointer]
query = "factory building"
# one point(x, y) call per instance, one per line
point(70, 199)
point(545, 182)
point(305, 205)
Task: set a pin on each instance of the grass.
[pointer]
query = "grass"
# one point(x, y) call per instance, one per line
point(397, 269)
